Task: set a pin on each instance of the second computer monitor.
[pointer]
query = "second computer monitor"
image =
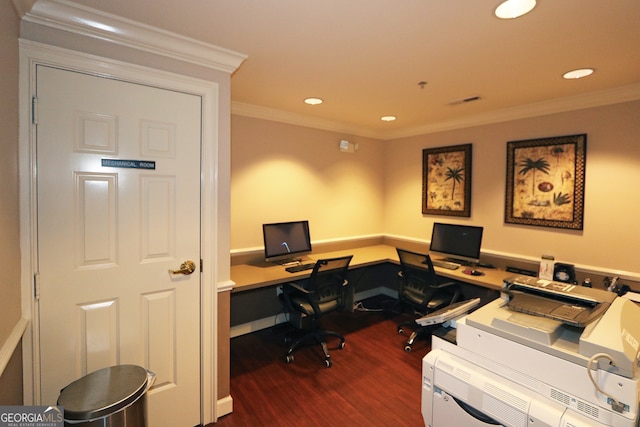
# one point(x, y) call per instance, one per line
point(458, 243)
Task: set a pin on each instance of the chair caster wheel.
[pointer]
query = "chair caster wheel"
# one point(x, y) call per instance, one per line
point(341, 345)
point(328, 363)
point(407, 348)
point(288, 358)
point(400, 331)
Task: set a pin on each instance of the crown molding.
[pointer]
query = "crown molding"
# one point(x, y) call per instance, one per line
point(22, 6)
point(553, 106)
point(273, 114)
point(84, 21)
point(559, 105)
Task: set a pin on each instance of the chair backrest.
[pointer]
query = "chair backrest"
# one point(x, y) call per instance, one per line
point(416, 264)
point(418, 277)
point(329, 278)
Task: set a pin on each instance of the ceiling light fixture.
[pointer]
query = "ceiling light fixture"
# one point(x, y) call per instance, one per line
point(388, 118)
point(578, 74)
point(313, 101)
point(511, 9)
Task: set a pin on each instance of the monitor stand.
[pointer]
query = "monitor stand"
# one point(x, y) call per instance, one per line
point(462, 262)
point(288, 262)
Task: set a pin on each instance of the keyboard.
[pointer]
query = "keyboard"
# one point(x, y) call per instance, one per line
point(300, 267)
point(445, 264)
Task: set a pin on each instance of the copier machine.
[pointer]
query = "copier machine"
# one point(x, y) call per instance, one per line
point(512, 364)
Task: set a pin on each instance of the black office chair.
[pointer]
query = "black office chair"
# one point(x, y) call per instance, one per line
point(420, 288)
point(324, 292)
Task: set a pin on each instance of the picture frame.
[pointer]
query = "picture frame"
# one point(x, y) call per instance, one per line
point(446, 180)
point(545, 182)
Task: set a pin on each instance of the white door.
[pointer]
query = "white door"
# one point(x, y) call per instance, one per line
point(118, 193)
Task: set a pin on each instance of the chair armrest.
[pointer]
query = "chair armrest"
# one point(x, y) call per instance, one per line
point(445, 285)
point(294, 290)
point(297, 288)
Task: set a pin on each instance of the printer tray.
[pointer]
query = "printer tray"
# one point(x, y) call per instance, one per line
point(570, 312)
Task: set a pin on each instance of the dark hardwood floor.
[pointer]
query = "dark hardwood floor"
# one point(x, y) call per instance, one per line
point(373, 381)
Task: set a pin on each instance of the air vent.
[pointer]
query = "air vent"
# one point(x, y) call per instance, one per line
point(588, 409)
point(577, 404)
point(465, 100)
point(560, 396)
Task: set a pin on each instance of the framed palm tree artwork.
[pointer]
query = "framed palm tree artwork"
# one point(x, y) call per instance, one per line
point(545, 182)
point(446, 180)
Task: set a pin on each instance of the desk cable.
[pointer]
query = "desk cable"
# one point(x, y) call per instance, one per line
point(615, 405)
point(359, 306)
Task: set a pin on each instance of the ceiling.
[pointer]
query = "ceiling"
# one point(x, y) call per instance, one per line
point(366, 58)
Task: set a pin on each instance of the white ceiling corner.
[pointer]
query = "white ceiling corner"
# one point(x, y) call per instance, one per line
point(78, 19)
point(366, 58)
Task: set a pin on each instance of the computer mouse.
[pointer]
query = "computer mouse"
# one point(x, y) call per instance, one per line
point(473, 272)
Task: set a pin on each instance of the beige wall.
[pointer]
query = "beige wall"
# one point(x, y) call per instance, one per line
point(611, 199)
point(385, 185)
point(10, 311)
point(282, 172)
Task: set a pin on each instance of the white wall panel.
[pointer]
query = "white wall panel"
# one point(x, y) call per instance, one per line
point(96, 223)
point(95, 133)
point(158, 217)
point(97, 336)
point(159, 328)
point(158, 139)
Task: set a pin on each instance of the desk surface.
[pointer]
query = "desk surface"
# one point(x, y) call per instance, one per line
point(258, 275)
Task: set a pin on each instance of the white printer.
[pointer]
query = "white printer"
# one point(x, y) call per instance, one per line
point(561, 367)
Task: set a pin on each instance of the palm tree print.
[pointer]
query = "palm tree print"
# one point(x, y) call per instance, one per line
point(455, 174)
point(530, 165)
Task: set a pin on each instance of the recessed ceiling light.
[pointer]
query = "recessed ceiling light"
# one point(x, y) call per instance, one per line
point(511, 9)
point(578, 74)
point(313, 101)
point(388, 118)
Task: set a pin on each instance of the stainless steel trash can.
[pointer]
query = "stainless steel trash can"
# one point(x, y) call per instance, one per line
point(109, 397)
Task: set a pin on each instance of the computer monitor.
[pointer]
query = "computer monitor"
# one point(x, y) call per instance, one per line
point(457, 243)
point(283, 241)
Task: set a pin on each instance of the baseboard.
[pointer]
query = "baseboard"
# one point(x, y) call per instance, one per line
point(267, 322)
point(382, 290)
point(224, 406)
point(257, 325)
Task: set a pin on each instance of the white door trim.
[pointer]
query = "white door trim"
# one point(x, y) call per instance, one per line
point(33, 54)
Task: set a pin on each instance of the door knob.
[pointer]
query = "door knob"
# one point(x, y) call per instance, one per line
point(186, 268)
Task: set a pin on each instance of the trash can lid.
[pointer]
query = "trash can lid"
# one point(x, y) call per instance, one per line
point(103, 392)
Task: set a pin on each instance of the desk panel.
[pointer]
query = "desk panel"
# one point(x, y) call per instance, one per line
point(492, 278)
point(261, 274)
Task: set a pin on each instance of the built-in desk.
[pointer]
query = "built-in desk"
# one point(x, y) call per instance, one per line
point(261, 274)
point(253, 292)
point(255, 282)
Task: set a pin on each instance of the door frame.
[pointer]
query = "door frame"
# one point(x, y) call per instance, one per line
point(33, 54)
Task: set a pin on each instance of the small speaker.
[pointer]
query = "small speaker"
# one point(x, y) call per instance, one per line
point(565, 273)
